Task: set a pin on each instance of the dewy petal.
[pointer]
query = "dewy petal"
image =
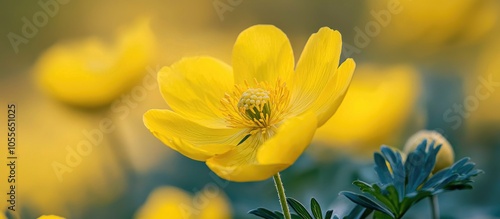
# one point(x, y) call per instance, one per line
point(193, 87)
point(191, 139)
point(239, 164)
point(262, 52)
point(317, 65)
point(291, 139)
point(331, 97)
point(251, 162)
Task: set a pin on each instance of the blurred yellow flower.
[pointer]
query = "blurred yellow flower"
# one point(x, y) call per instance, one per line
point(479, 110)
point(375, 109)
point(71, 165)
point(91, 73)
point(445, 156)
point(255, 119)
point(50, 217)
point(173, 203)
point(429, 25)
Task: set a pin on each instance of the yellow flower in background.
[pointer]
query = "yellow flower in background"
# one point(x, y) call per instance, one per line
point(69, 168)
point(376, 109)
point(173, 203)
point(255, 119)
point(50, 217)
point(92, 73)
point(479, 110)
point(445, 156)
point(429, 25)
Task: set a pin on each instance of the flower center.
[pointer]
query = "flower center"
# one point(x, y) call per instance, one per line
point(260, 107)
point(254, 104)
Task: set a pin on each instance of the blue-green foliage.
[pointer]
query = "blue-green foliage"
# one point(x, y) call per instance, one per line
point(298, 208)
point(410, 181)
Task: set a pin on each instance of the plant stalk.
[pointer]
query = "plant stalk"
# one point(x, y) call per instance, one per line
point(281, 194)
point(434, 207)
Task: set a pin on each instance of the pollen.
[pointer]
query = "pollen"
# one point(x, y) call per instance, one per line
point(259, 107)
point(254, 103)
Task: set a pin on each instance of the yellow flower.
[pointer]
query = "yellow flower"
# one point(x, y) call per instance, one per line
point(255, 119)
point(173, 203)
point(91, 73)
point(61, 165)
point(50, 217)
point(375, 109)
point(479, 110)
point(445, 156)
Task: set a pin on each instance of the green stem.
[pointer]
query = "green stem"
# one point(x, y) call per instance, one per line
point(281, 193)
point(434, 207)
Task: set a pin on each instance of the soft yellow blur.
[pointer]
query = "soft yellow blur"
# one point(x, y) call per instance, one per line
point(425, 26)
point(445, 156)
point(62, 168)
point(375, 110)
point(174, 203)
point(50, 217)
point(91, 73)
point(482, 95)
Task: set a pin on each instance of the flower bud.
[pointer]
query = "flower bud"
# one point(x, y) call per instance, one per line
point(445, 156)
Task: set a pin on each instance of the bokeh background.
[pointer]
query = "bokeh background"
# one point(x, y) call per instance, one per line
point(82, 74)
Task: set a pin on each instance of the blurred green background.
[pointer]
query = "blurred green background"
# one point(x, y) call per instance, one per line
point(420, 65)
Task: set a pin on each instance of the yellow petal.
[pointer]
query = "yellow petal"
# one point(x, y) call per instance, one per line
point(92, 73)
point(191, 139)
point(375, 110)
point(262, 52)
point(78, 73)
point(291, 139)
point(217, 205)
point(163, 201)
point(174, 203)
point(331, 97)
point(193, 87)
point(251, 161)
point(317, 65)
point(245, 172)
point(50, 217)
point(239, 164)
point(136, 44)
